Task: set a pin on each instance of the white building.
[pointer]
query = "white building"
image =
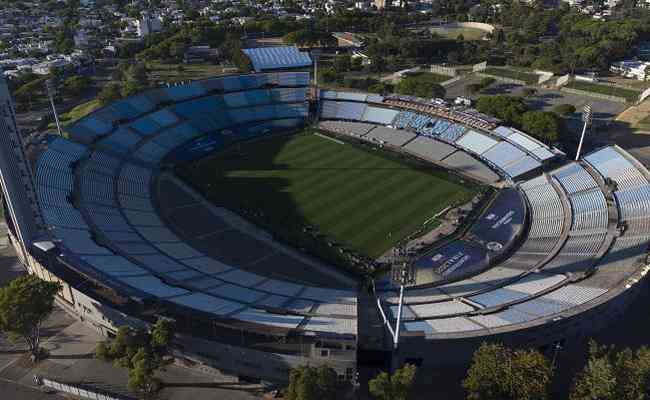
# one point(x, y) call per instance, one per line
point(631, 69)
point(573, 3)
point(362, 5)
point(148, 24)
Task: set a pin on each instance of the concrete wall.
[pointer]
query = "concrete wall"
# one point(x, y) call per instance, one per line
point(593, 94)
point(451, 81)
point(502, 78)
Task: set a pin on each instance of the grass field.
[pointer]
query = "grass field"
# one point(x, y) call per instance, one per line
point(452, 33)
point(355, 196)
point(630, 95)
point(180, 72)
point(76, 113)
point(527, 77)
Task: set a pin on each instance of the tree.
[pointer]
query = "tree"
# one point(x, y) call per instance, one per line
point(542, 125)
point(500, 373)
point(142, 375)
point(342, 63)
point(162, 333)
point(329, 75)
point(530, 366)
point(357, 64)
point(131, 87)
point(24, 305)
point(109, 93)
point(597, 380)
point(507, 108)
point(484, 377)
point(422, 85)
point(381, 88)
point(141, 352)
point(608, 374)
point(137, 72)
point(312, 383)
point(76, 85)
point(393, 387)
point(57, 73)
point(633, 374)
point(102, 352)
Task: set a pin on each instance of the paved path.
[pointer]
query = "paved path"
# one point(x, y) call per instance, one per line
point(634, 114)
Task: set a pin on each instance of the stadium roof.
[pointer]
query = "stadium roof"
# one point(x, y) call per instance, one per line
point(267, 58)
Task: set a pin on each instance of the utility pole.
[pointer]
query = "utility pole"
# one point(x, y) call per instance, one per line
point(587, 116)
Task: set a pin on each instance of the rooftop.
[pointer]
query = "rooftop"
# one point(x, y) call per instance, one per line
point(284, 57)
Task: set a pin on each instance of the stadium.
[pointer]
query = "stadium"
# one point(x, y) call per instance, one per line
point(184, 201)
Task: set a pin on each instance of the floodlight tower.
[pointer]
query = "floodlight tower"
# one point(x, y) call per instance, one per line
point(404, 274)
point(587, 116)
point(51, 91)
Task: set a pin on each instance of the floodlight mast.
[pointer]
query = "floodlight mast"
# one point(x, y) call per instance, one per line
point(49, 85)
point(399, 317)
point(586, 117)
point(405, 275)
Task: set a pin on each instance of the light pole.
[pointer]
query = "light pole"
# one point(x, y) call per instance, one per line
point(51, 90)
point(404, 274)
point(586, 118)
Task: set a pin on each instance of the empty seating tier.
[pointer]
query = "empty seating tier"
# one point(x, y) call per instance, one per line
point(99, 193)
point(510, 152)
point(568, 228)
point(101, 207)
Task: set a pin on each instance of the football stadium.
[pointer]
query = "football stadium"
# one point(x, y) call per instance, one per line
point(272, 221)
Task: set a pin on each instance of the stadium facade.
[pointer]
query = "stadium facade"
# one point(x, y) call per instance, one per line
point(554, 256)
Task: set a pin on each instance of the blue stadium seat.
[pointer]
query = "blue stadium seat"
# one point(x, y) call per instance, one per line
point(185, 91)
point(141, 103)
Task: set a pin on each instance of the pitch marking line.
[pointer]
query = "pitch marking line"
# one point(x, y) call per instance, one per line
point(329, 138)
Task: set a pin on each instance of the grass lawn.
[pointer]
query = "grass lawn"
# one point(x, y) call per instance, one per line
point(179, 72)
point(630, 95)
point(355, 196)
point(425, 77)
point(452, 33)
point(527, 77)
point(76, 113)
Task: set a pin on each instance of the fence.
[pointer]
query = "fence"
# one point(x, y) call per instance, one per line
point(78, 390)
point(440, 70)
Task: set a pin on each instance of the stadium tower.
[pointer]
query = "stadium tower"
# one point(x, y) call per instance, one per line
point(19, 197)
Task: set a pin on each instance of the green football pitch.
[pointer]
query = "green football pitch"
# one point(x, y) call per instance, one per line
point(354, 195)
